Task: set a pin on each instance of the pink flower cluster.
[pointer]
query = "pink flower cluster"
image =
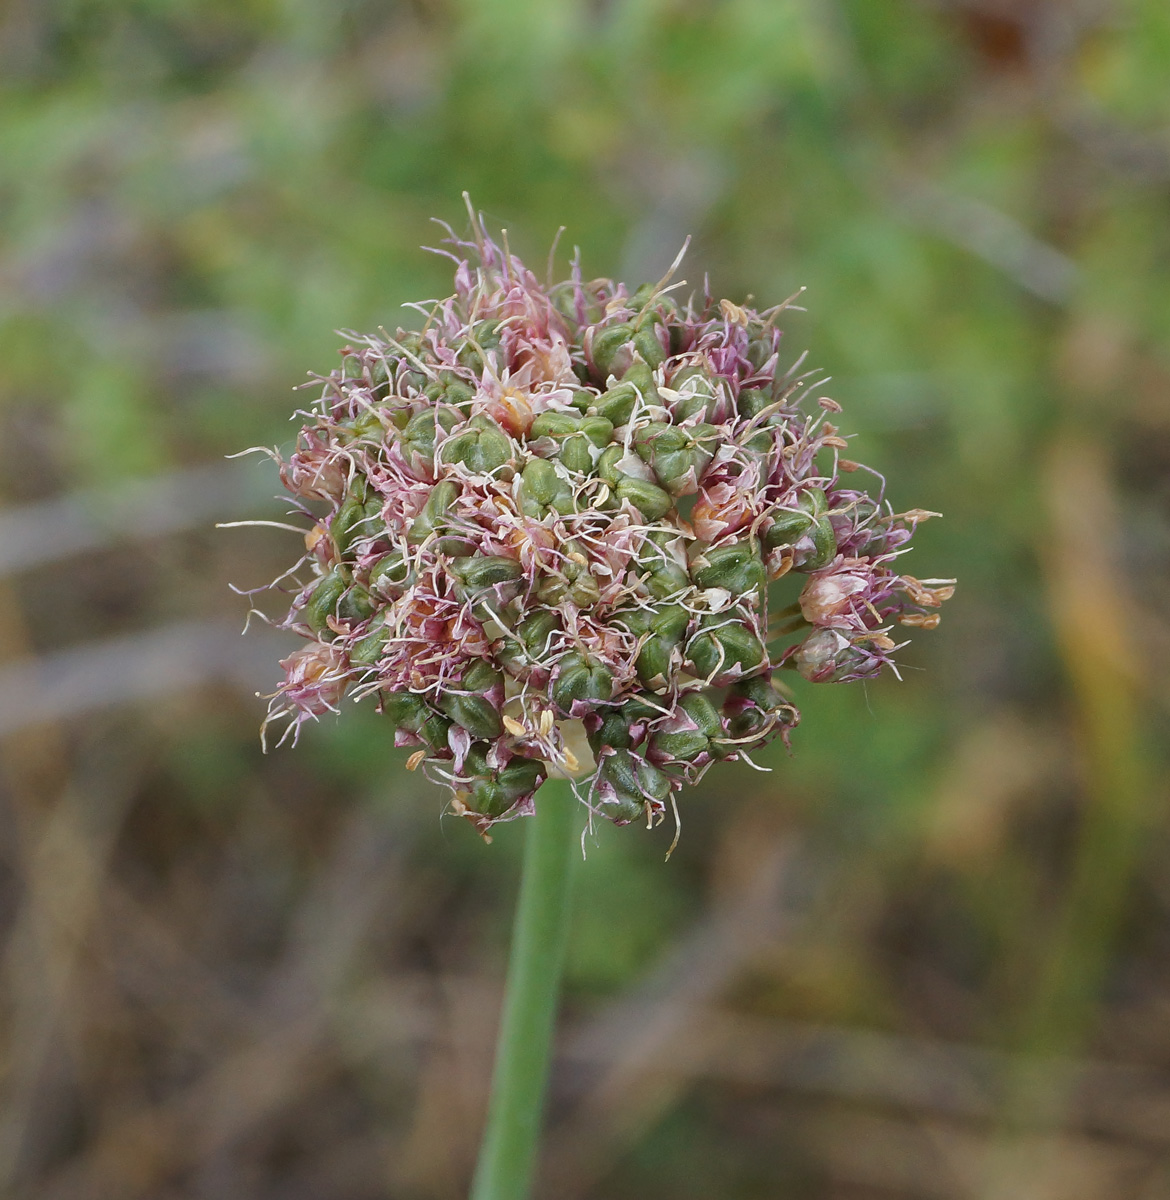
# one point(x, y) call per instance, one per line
point(567, 516)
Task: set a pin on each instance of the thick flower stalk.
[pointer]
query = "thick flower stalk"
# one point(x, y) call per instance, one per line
point(581, 507)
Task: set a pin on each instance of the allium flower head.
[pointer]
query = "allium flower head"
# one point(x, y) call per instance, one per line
point(578, 507)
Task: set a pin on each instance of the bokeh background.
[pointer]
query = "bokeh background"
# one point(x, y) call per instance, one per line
point(929, 954)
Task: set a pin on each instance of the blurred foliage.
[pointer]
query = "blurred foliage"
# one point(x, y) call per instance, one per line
point(234, 975)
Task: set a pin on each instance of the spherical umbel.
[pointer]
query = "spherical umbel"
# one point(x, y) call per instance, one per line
point(577, 506)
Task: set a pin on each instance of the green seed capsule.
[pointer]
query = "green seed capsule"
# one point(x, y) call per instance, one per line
point(641, 377)
point(667, 628)
point(759, 349)
point(631, 782)
point(607, 465)
point(606, 348)
point(577, 455)
point(392, 574)
point(749, 705)
point(736, 568)
point(543, 491)
point(476, 714)
point(613, 730)
point(434, 514)
point(449, 389)
point(671, 621)
point(422, 430)
point(646, 343)
point(530, 643)
point(355, 604)
point(651, 501)
point(617, 404)
point(581, 680)
point(677, 454)
point(356, 518)
point(753, 401)
point(536, 631)
point(824, 545)
point(479, 571)
point(786, 529)
point(325, 598)
point(411, 713)
point(555, 425)
point(481, 446)
point(497, 791)
point(699, 394)
point(369, 649)
point(481, 677)
point(482, 337)
point(573, 582)
point(665, 578)
point(683, 745)
point(723, 653)
point(655, 662)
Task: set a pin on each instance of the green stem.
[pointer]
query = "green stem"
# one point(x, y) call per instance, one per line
point(508, 1153)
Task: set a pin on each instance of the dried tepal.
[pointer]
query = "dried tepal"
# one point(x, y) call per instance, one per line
point(570, 507)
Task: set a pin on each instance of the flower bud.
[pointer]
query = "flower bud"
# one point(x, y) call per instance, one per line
point(315, 679)
point(737, 568)
point(572, 581)
point(578, 683)
point(761, 345)
point(826, 598)
point(315, 471)
point(722, 652)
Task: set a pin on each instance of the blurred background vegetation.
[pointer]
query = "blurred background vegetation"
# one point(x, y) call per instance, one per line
point(929, 955)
